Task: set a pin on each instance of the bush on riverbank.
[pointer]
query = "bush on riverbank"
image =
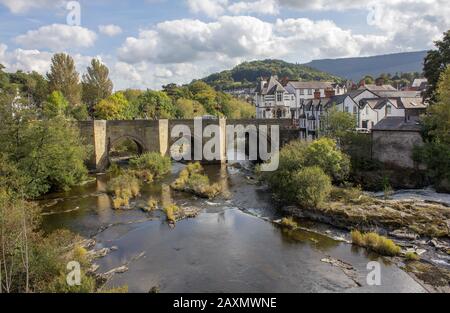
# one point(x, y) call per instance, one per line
point(311, 186)
point(154, 163)
point(376, 243)
point(172, 212)
point(296, 157)
point(192, 179)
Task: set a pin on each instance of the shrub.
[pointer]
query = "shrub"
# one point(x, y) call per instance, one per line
point(172, 211)
point(376, 243)
point(152, 204)
point(191, 180)
point(298, 155)
point(153, 162)
point(289, 222)
point(123, 188)
point(311, 186)
point(412, 256)
point(357, 238)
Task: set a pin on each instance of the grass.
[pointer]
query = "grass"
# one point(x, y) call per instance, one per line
point(289, 222)
point(123, 188)
point(376, 243)
point(192, 180)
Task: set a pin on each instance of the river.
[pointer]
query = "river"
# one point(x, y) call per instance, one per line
point(232, 246)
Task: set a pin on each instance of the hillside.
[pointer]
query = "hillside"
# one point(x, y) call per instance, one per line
point(357, 68)
point(248, 73)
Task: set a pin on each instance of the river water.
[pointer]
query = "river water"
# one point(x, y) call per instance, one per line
point(232, 246)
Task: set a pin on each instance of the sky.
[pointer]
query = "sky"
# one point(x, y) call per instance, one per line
point(149, 43)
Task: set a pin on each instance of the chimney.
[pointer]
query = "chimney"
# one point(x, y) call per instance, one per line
point(317, 94)
point(329, 92)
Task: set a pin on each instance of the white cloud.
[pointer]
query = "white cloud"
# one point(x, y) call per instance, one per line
point(244, 37)
point(110, 30)
point(211, 8)
point(267, 7)
point(57, 37)
point(21, 6)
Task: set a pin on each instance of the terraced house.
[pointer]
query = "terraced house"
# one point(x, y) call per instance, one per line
point(307, 103)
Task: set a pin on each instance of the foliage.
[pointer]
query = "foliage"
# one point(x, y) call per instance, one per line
point(172, 211)
point(96, 84)
point(123, 188)
point(412, 256)
point(56, 105)
point(189, 108)
point(49, 153)
point(154, 162)
point(338, 124)
point(155, 105)
point(289, 222)
point(192, 179)
point(376, 243)
point(436, 63)
point(325, 154)
point(311, 186)
point(63, 77)
point(29, 261)
point(436, 151)
point(297, 156)
point(115, 107)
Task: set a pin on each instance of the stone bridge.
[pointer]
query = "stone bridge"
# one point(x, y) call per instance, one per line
point(160, 135)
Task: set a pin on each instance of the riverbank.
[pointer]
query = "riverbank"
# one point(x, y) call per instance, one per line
point(420, 228)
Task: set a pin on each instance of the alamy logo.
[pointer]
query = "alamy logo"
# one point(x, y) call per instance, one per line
point(73, 278)
point(74, 15)
point(374, 276)
point(214, 143)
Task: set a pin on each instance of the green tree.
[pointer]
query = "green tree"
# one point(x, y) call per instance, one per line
point(189, 108)
point(115, 107)
point(206, 95)
point(155, 105)
point(436, 151)
point(56, 105)
point(338, 124)
point(63, 77)
point(96, 84)
point(298, 155)
point(436, 63)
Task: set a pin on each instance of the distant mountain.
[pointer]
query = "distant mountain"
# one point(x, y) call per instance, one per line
point(356, 68)
point(247, 74)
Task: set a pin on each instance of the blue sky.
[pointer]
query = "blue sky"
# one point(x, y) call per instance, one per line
point(147, 43)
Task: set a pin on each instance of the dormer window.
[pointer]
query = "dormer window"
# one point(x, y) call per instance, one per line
point(388, 109)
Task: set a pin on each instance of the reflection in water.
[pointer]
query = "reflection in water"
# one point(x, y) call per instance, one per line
point(222, 250)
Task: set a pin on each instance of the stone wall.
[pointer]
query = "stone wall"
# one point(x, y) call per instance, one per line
point(395, 148)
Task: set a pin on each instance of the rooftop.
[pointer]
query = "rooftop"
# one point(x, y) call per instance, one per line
point(397, 124)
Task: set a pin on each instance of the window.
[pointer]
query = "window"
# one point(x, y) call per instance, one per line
point(279, 97)
point(388, 109)
point(347, 109)
point(310, 92)
point(302, 91)
point(367, 110)
point(355, 110)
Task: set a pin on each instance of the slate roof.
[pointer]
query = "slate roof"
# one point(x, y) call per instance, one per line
point(396, 124)
point(311, 85)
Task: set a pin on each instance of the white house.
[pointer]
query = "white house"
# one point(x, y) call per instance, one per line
point(273, 100)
